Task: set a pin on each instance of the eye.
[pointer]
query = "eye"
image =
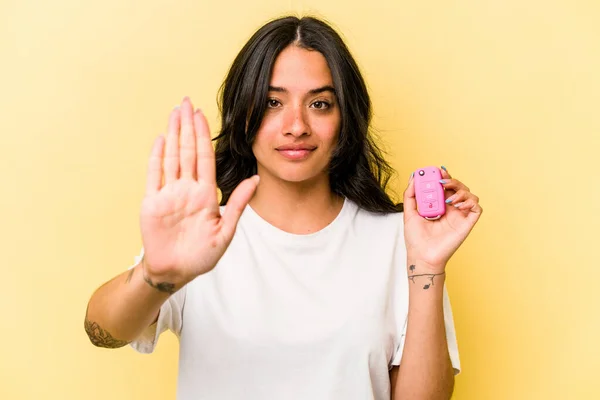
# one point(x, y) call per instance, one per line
point(320, 105)
point(272, 103)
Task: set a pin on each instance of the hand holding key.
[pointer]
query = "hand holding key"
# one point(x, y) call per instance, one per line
point(434, 242)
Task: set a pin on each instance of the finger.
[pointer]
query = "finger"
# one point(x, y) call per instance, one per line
point(204, 149)
point(477, 208)
point(236, 204)
point(454, 184)
point(473, 210)
point(154, 178)
point(445, 173)
point(187, 141)
point(469, 203)
point(457, 197)
point(410, 202)
point(171, 161)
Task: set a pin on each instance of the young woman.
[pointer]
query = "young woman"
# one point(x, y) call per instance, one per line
point(311, 284)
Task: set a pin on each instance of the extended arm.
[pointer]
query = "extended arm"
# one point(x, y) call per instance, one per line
point(120, 310)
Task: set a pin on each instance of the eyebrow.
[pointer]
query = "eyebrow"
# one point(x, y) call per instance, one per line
point(321, 89)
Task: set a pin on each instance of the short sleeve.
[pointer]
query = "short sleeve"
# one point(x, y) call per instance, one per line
point(400, 306)
point(170, 317)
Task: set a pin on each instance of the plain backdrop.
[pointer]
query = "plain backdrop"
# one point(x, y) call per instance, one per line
point(505, 94)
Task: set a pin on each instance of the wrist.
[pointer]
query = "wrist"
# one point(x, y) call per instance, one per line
point(424, 275)
point(419, 265)
point(166, 283)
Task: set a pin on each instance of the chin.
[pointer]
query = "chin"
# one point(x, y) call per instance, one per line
point(297, 177)
point(295, 174)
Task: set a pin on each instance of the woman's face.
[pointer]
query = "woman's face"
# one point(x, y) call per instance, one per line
point(301, 123)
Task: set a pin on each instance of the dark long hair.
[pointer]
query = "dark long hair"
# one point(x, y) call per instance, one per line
point(357, 169)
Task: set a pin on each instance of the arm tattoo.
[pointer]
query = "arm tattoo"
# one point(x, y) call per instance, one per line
point(160, 286)
point(429, 276)
point(101, 337)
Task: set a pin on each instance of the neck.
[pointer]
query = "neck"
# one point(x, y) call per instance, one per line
point(298, 208)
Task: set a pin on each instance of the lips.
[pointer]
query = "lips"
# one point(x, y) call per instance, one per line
point(295, 152)
point(296, 147)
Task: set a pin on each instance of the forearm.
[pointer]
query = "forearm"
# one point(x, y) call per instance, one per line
point(425, 370)
point(120, 310)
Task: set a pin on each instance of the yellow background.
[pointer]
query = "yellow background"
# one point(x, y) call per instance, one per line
point(506, 94)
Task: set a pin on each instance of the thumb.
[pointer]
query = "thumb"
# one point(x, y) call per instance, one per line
point(236, 204)
point(410, 202)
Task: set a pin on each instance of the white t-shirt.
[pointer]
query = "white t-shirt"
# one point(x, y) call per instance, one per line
point(285, 316)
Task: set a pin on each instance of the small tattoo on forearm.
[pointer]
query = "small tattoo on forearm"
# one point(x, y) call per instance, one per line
point(161, 286)
point(101, 337)
point(428, 276)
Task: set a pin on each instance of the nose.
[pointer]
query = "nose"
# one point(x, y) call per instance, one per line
point(295, 121)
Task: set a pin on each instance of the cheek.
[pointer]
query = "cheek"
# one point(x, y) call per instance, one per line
point(265, 135)
point(328, 130)
point(270, 126)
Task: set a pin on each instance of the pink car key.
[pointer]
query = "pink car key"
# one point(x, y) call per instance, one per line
point(429, 193)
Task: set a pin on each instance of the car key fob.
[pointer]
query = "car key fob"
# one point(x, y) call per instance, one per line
point(429, 193)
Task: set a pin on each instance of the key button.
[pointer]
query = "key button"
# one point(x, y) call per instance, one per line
point(429, 196)
point(427, 186)
point(431, 205)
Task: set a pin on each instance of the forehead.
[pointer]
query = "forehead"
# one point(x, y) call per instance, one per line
point(298, 68)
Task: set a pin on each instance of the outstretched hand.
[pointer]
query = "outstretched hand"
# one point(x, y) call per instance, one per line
point(184, 234)
point(434, 242)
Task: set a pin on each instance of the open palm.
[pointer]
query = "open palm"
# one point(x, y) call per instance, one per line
point(434, 242)
point(183, 232)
